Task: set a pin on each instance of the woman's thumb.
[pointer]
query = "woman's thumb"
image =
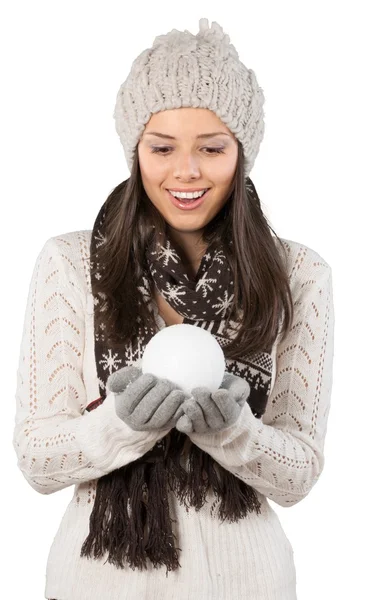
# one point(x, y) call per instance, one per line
point(119, 380)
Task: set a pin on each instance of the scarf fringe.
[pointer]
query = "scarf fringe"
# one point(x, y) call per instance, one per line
point(237, 498)
point(126, 525)
point(131, 520)
point(160, 545)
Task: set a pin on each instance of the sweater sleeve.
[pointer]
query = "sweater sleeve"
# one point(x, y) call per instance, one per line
point(282, 455)
point(56, 441)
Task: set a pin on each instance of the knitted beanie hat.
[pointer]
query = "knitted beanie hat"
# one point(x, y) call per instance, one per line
point(186, 70)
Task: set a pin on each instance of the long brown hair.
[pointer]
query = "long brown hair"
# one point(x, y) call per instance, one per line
point(262, 295)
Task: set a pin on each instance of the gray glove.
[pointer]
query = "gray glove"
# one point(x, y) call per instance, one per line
point(206, 413)
point(144, 401)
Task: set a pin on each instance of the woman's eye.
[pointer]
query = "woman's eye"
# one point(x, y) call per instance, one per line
point(159, 150)
point(215, 150)
point(162, 149)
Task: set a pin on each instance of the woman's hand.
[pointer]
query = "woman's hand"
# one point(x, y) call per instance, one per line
point(144, 401)
point(205, 412)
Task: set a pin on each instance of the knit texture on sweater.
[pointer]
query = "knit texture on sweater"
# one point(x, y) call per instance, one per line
point(59, 444)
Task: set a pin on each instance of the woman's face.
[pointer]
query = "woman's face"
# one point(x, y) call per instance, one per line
point(185, 156)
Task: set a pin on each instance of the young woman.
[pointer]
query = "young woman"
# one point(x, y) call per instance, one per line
point(171, 490)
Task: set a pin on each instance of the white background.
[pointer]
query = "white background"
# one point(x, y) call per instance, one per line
point(61, 66)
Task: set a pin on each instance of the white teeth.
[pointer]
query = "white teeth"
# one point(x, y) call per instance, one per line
point(187, 195)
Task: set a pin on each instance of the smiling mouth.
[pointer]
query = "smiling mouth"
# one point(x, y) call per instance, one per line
point(187, 203)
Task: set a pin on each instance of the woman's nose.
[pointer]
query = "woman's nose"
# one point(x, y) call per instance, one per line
point(186, 166)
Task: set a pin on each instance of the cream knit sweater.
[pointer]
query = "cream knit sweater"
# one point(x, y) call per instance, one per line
point(59, 444)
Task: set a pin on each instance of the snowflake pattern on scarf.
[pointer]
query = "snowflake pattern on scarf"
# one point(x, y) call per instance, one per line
point(202, 302)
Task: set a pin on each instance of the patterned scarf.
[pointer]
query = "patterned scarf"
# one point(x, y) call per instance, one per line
point(130, 519)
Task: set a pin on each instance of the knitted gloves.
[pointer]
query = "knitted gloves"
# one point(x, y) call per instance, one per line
point(146, 402)
point(208, 413)
point(143, 401)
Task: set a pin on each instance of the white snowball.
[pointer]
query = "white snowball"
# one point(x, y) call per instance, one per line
point(187, 355)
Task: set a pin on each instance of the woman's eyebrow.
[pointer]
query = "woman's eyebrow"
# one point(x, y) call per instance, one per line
point(201, 135)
